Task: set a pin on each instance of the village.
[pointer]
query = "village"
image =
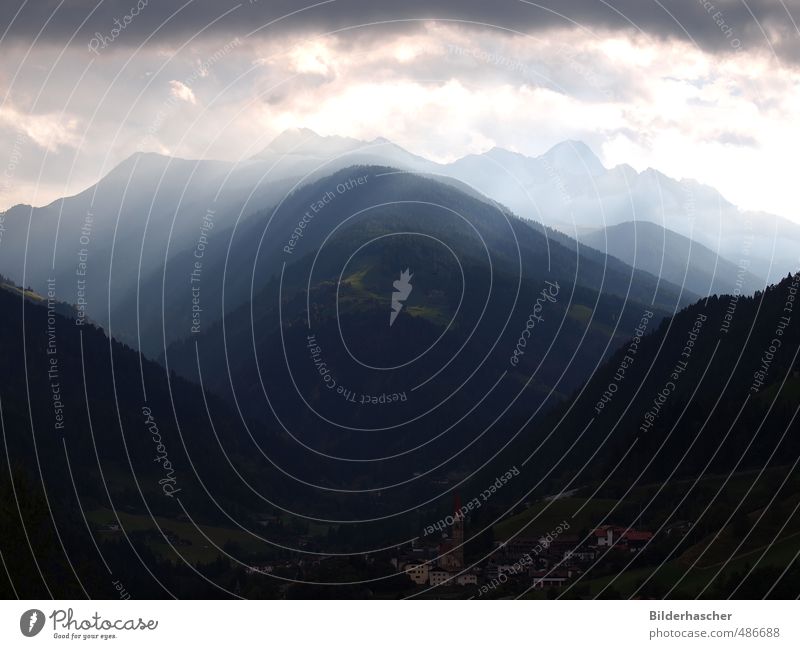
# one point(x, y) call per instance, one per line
point(546, 561)
point(535, 561)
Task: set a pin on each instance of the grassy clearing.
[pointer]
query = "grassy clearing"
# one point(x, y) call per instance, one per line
point(184, 535)
point(546, 516)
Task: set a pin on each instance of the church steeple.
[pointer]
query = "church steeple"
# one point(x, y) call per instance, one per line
point(457, 533)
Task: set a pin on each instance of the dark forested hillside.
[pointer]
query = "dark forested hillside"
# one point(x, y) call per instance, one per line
point(237, 262)
point(714, 389)
point(479, 275)
point(92, 435)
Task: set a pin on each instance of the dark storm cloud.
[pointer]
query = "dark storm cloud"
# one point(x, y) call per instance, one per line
point(715, 25)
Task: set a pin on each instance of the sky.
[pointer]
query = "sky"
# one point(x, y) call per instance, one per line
point(695, 88)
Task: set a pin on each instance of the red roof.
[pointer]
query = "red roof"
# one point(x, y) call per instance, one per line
point(629, 535)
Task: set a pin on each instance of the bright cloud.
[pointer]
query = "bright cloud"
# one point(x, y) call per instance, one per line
point(50, 131)
point(181, 91)
point(727, 119)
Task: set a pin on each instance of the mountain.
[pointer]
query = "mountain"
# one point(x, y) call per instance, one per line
point(89, 427)
point(573, 158)
point(95, 246)
point(164, 306)
point(304, 141)
point(478, 274)
point(687, 436)
point(68, 387)
point(115, 247)
point(117, 471)
point(99, 244)
point(304, 151)
point(676, 258)
point(568, 189)
point(367, 341)
point(711, 391)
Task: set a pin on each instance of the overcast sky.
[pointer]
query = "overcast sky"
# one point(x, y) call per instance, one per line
point(695, 88)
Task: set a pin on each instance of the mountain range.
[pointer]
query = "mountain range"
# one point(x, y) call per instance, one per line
point(126, 231)
point(291, 349)
point(678, 259)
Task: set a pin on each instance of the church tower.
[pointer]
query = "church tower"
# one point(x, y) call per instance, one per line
point(452, 551)
point(457, 534)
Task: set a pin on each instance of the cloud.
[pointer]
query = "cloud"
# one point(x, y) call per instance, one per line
point(440, 89)
point(734, 139)
point(181, 91)
point(717, 26)
point(49, 131)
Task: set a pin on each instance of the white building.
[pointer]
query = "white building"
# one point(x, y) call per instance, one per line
point(437, 576)
point(418, 572)
point(467, 579)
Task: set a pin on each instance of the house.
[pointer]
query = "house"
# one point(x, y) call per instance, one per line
point(520, 546)
point(620, 538)
point(417, 572)
point(255, 570)
point(467, 579)
point(636, 540)
point(450, 556)
point(437, 577)
point(605, 535)
point(542, 580)
point(582, 555)
point(495, 569)
point(509, 569)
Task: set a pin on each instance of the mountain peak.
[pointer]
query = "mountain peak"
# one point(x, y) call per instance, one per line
point(506, 153)
point(304, 141)
point(574, 157)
